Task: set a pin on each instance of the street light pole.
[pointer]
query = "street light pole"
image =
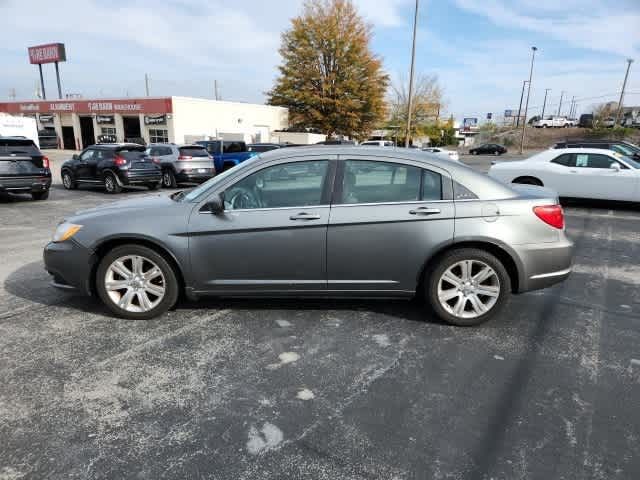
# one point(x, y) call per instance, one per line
point(624, 86)
point(544, 105)
point(413, 60)
point(560, 106)
point(524, 84)
point(526, 106)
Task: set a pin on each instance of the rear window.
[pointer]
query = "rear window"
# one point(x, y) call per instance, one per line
point(18, 146)
point(193, 151)
point(132, 153)
point(234, 147)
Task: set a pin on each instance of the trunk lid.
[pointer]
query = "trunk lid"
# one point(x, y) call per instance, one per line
point(20, 157)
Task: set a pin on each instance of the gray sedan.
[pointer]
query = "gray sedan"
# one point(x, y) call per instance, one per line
point(321, 222)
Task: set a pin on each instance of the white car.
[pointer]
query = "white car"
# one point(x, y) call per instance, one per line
point(441, 152)
point(577, 173)
point(554, 122)
point(378, 143)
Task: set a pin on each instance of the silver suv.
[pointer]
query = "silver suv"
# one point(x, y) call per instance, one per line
point(182, 163)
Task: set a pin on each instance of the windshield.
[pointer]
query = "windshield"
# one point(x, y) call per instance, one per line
point(630, 161)
point(200, 190)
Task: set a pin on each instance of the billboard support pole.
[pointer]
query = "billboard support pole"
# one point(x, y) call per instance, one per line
point(44, 95)
point(58, 78)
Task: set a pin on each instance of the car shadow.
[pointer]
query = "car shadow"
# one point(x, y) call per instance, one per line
point(32, 283)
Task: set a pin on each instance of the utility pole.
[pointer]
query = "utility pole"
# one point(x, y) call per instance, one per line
point(526, 107)
point(146, 83)
point(544, 105)
point(624, 86)
point(560, 106)
point(12, 93)
point(215, 90)
point(520, 107)
point(413, 60)
point(573, 101)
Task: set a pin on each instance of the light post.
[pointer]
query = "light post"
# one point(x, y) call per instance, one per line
point(560, 106)
point(544, 105)
point(413, 60)
point(524, 84)
point(624, 86)
point(526, 106)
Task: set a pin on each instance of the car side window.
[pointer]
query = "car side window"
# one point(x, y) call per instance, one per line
point(566, 160)
point(599, 161)
point(379, 182)
point(296, 184)
point(87, 155)
point(431, 186)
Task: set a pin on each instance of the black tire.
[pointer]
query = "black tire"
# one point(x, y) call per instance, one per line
point(111, 184)
point(528, 181)
point(496, 152)
point(153, 186)
point(171, 284)
point(68, 181)
point(448, 260)
point(169, 179)
point(40, 195)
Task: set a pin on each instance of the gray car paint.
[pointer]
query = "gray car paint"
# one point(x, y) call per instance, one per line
point(350, 250)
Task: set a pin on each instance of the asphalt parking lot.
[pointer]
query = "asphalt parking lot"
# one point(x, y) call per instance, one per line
point(321, 389)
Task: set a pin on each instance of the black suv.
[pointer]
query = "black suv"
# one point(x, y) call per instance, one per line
point(23, 168)
point(115, 166)
point(620, 146)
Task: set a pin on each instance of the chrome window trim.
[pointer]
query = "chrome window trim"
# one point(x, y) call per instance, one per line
point(266, 209)
point(407, 202)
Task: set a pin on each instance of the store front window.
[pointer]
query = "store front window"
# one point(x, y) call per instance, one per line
point(157, 135)
point(108, 131)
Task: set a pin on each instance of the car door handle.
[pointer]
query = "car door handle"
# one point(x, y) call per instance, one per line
point(424, 211)
point(305, 216)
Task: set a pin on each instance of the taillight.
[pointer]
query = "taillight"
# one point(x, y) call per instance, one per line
point(185, 157)
point(155, 160)
point(45, 162)
point(551, 215)
point(118, 160)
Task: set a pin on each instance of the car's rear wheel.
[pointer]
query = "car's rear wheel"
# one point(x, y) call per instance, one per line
point(67, 181)
point(169, 179)
point(40, 195)
point(136, 282)
point(467, 287)
point(111, 184)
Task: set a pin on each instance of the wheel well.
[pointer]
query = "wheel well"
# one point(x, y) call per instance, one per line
point(528, 180)
point(109, 245)
point(495, 250)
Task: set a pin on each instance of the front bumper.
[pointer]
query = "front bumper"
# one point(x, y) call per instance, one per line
point(71, 265)
point(544, 264)
point(29, 184)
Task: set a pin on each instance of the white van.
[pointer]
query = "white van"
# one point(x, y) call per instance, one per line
point(26, 127)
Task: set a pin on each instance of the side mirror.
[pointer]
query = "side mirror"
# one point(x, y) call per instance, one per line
point(615, 166)
point(74, 156)
point(215, 205)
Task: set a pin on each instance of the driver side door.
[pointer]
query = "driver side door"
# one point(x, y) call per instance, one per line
point(272, 234)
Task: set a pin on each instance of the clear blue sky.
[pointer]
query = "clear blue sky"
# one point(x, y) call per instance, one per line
point(480, 49)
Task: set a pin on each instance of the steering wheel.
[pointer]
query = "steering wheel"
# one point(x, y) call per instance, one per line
point(242, 199)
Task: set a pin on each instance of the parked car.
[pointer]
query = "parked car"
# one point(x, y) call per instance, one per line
point(23, 168)
point(182, 164)
point(577, 173)
point(620, 146)
point(114, 166)
point(293, 222)
point(263, 147)
point(488, 149)
point(555, 122)
point(378, 143)
point(227, 153)
point(586, 120)
point(608, 122)
point(441, 152)
point(48, 138)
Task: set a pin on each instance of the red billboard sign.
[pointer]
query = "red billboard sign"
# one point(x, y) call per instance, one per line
point(127, 106)
point(49, 53)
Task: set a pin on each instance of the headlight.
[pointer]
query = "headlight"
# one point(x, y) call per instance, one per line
point(65, 231)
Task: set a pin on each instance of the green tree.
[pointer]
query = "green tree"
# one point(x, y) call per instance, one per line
point(329, 78)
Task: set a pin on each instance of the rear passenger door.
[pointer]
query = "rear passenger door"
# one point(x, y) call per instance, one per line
point(387, 217)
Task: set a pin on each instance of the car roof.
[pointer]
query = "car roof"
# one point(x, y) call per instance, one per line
point(116, 145)
point(555, 152)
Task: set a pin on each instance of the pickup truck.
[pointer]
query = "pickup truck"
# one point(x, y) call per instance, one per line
point(555, 122)
point(227, 153)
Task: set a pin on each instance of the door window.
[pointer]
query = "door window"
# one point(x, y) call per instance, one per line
point(566, 160)
point(591, 160)
point(87, 155)
point(297, 184)
point(381, 182)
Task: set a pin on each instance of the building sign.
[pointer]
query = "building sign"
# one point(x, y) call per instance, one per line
point(470, 122)
point(508, 113)
point(105, 119)
point(489, 116)
point(155, 119)
point(131, 106)
point(46, 118)
point(49, 53)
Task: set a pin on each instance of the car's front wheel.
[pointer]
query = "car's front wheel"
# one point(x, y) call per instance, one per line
point(136, 282)
point(67, 181)
point(467, 287)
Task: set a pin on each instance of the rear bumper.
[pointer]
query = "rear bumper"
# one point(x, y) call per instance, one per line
point(28, 184)
point(70, 265)
point(544, 264)
point(136, 177)
point(194, 176)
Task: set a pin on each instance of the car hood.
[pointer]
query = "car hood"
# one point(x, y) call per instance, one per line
point(146, 204)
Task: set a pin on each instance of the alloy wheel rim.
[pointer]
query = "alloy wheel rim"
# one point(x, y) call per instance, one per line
point(135, 284)
point(166, 179)
point(66, 180)
point(109, 183)
point(468, 289)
